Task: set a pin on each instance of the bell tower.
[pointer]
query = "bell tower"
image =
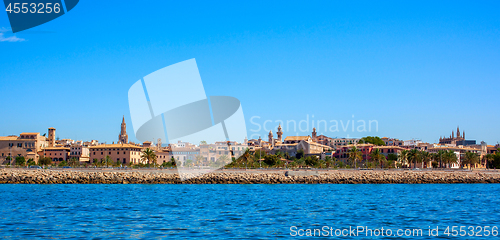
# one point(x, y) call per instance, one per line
point(271, 140)
point(123, 137)
point(314, 135)
point(52, 137)
point(280, 134)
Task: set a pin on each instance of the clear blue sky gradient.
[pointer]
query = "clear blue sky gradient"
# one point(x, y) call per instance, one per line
point(418, 68)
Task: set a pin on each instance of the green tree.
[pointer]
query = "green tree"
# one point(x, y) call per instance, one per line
point(403, 157)
point(312, 161)
point(355, 155)
point(330, 162)
point(494, 160)
point(425, 157)
point(221, 161)
point(373, 140)
point(450, 158)
point(73, 162)
point(377, 156)
point(31, 162)
point(95, 162)
point(172, 162)
point(199, 159)
point(246, 158)
point(470, 159)
point(300, 153)
point(392, 157)
point(63, 164)
point(45, 161)
point(414, 157)
point(149, 156)
point(108, 161)
point(20, 161)
point(271, 160)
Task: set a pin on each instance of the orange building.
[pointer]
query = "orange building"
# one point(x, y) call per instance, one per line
point(123, 153)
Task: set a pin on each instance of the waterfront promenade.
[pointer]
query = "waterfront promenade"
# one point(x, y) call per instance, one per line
point(242, 176)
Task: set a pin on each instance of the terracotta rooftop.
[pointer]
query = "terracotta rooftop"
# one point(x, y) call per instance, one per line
point(8, 138)
point(296, 138)
point(114, 146)
point(56, 148)
point(389, 147)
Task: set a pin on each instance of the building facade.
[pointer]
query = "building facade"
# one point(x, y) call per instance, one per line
point(122, 153)
point(123, 136)
point(26, 145)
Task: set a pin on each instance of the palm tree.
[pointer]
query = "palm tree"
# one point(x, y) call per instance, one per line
point(403, 157)
point(470, 159)
point(450, 157)
point(487, 159)
point(221, 161)
point(199, 159)
point(414, 156)
point(425, 157)
point(107, 160)
point(149, 155)
point(246, 157)
point(440, 156)
point(376, 155)
point(73, 161)
point(355, 155)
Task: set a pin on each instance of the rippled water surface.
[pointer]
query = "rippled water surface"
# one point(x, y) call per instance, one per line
point(238, 211)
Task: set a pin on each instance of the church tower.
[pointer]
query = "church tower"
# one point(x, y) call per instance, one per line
point(52, 137)
point(280, 134)
point(314, 135)
point(123, 137)
point(271, 140)
point(458, 132)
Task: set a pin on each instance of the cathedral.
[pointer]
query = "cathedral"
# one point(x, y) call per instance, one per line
point(123, 137)
point(459, 138)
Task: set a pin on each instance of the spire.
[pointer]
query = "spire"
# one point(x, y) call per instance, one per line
point(458, 132)
point(123, 137)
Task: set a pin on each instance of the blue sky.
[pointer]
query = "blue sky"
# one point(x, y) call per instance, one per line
point(418, 68)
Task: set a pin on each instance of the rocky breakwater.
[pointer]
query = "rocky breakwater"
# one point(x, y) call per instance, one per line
point(24, 176)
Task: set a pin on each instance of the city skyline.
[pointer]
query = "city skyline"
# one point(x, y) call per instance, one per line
point(418, 73)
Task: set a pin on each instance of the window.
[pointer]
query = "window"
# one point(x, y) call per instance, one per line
point(19, 145)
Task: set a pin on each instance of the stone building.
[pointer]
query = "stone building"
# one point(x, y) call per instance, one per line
point(123, 153)
point(123, 137)
point(457, 140)
point(57, 154)
point(26, 145)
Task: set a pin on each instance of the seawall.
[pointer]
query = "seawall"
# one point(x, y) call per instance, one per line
point(28, 176)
